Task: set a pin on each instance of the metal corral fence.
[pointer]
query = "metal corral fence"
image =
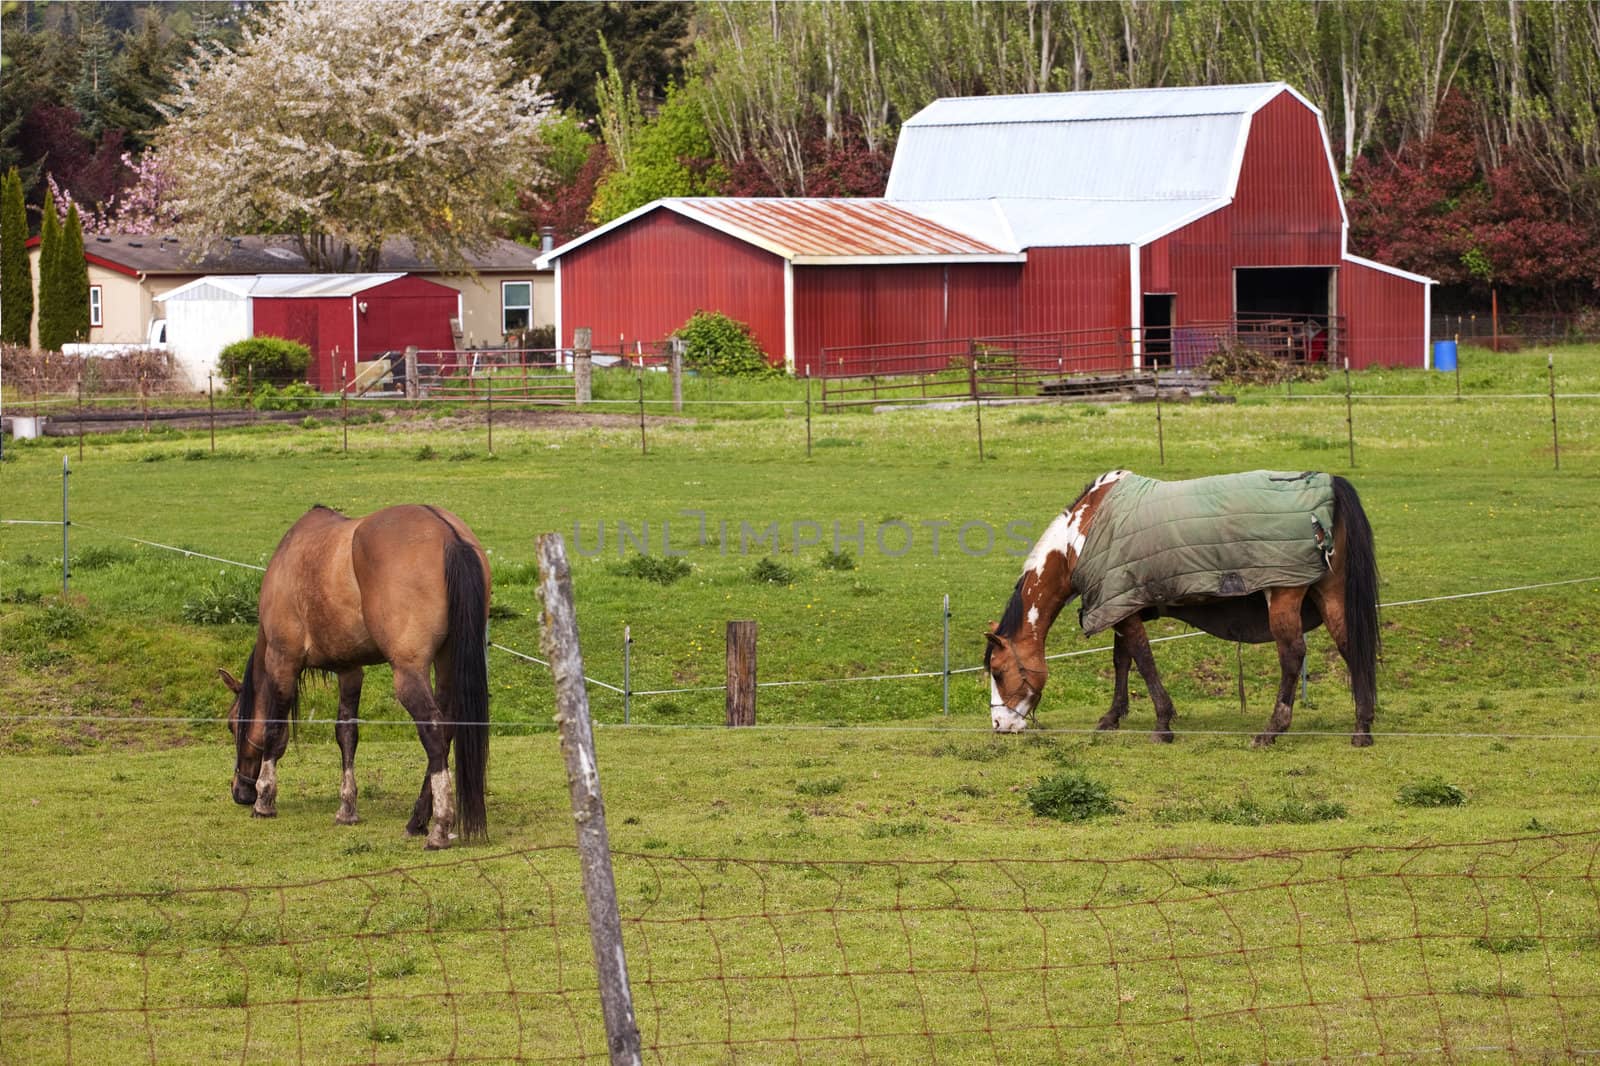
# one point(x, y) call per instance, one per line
point(1055, 363)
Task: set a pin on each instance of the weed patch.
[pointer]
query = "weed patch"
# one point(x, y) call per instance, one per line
point(1071, 796)
point(1431, 792)
point(663, 570)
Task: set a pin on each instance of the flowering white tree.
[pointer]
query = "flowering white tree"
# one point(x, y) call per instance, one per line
point(342, 124)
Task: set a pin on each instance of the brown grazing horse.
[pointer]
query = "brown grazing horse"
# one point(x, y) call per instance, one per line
point(406, 585)
point(1344, 598)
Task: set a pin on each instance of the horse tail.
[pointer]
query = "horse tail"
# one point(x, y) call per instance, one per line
point(1362, 634)
point(467, 593)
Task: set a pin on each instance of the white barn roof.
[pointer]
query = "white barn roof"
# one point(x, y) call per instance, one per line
point(1114, 167)
point(240, 286)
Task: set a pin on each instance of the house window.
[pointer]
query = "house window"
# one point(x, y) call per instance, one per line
point(516, 306)
point(96, 314)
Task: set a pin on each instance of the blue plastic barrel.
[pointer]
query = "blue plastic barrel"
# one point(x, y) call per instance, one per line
point(1444, 355)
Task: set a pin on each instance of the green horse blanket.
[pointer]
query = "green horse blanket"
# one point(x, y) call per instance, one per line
point(1153, 543)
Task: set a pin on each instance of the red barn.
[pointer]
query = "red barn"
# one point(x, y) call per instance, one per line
point(345, 318)
point(1136, 224)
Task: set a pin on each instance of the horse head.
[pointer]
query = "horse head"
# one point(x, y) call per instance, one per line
point(1016, 681)
point(256, 744)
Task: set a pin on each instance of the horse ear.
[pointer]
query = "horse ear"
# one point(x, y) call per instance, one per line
point(231, 681)
point(993, 636)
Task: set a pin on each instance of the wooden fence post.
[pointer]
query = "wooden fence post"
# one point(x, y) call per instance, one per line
point(676, 366)
point(741, 673)
point(559, 639)
point(582, 364)
point(412, 386)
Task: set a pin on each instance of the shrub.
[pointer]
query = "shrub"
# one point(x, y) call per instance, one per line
point(1071, 796)
point(717, 344)
point(838, 560)
point(771, 572)
point(271, 360)
point(229, 600)
point(295, 396)
point(662, 570)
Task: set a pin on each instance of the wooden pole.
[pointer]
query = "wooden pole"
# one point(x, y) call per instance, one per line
point(211, 407)
point(1240, 649)
point(80, 418)
point(1349, 413)
point(947, 653)
point(344, 407)
point(412, 385)
point(559, 638)
point(676, 367)
point(582, 364)
point(627, 675)
point(1555, 438)
point(977, 398)
point(1161, 439)
point(643, 447)
point(489, 402)
point(808, 413)
point(741, 702)
point(1458, 365)
point(66, 524)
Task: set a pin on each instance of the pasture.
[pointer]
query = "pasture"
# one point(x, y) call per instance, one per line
point(830, 884)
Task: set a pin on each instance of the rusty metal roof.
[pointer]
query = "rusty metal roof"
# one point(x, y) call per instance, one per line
point(834, 231)
point(808, 230)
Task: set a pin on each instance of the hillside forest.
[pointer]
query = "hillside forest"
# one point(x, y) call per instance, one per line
point(1466, 135)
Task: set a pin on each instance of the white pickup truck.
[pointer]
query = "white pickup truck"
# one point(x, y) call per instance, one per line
point(155, 340)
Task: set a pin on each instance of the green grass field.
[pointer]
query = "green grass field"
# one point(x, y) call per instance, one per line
point(826, 886)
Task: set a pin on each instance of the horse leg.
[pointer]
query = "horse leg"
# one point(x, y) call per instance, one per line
point(1332, 607)
point(1130, 633)
point(285, 679)
point(346, 732)
point(1120, 660)
point(435, 808)
point(1283, 620)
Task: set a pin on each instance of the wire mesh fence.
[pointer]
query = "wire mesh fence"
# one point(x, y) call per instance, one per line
point(1434, 951)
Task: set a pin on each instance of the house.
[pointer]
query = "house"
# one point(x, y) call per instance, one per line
point(1132, 223)
point(342, 318)
point(127, 272)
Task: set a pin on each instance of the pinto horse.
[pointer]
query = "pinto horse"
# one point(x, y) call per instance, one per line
point(1206, 552)
point(406, 585)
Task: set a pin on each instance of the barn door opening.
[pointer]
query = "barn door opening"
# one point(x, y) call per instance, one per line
point(1291, 305)
point(1157, 334)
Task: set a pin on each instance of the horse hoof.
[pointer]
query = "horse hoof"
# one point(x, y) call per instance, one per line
point(1109, 723)
point(1264, 740)
point(1361, 740)
point(1162, 736)
point(263, 814)
point(433, 845)
point(345, 819)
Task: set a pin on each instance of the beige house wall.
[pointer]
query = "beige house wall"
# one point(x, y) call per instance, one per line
point(127, 304)
point(481, 311)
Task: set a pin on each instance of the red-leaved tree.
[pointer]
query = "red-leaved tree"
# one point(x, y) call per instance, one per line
point(1436, 207)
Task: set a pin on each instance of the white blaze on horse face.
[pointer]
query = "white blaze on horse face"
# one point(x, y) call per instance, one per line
point(1003, 718)
point(1066, 532)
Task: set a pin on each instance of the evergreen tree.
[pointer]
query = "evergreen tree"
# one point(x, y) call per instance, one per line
point(73, 273)
point(16, 280)
point(52, 324)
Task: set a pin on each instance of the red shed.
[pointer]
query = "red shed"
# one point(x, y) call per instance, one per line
point(353, 316)
point(1145, 222)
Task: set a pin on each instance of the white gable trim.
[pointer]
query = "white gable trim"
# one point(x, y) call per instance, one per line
point(1385, 268)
